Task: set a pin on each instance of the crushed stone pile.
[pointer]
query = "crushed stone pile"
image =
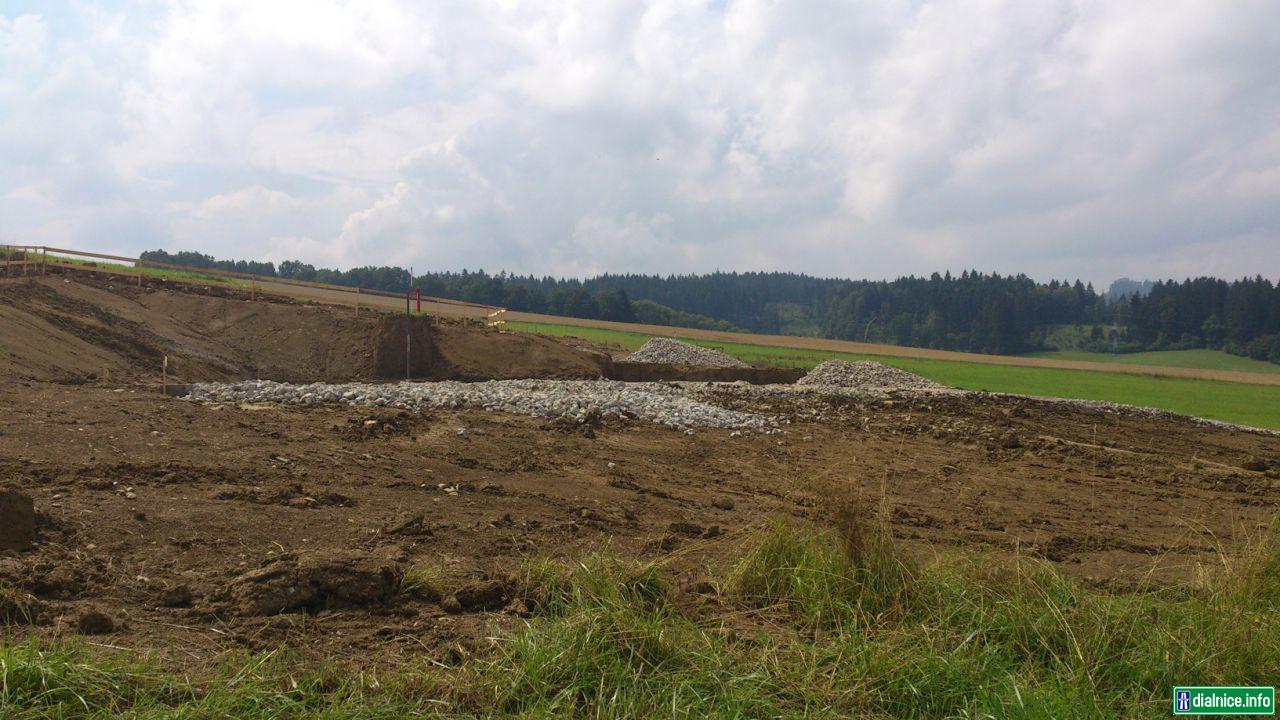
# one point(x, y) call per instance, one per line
point(865, 374)
point(576, 400)
point(666, 351)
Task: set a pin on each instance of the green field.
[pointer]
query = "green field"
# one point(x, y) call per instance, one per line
point(1254, 405)
point(162, 273)
point(1199, 359)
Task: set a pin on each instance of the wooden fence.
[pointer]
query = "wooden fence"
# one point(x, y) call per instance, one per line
point(26, 260)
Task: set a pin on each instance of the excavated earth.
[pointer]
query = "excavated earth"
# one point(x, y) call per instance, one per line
point(86, 328)
point(187, 528)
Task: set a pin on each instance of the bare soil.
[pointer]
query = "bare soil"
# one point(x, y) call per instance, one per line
point(187, 529)
point(82, 327)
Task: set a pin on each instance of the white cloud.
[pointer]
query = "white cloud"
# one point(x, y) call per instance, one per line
point(260, 223)
point(23, 45)
point(1064, 138)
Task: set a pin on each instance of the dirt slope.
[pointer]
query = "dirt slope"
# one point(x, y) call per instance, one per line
point(95, 328)
point(474, 353)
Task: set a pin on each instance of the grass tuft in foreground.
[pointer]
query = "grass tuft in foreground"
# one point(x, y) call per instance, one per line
point(821, 622)
point(72, 682)
point(611, 643)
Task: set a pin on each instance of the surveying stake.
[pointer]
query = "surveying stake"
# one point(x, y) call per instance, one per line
point(408, 325)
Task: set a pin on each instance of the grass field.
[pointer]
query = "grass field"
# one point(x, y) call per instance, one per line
point(1253, 405)
point(823, 623)
point(1200, 359)
point(163, 273)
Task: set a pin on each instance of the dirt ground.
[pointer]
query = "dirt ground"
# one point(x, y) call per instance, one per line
point(187, 529)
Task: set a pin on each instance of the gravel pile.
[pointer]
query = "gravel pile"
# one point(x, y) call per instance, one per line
point(666, 351)
point(865, 374)
point(576, 400)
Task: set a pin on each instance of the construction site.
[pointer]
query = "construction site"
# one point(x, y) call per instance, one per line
point(724, 360)
point(193, 467)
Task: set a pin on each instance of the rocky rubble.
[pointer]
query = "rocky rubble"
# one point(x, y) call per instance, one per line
point(865, 374)
point(574, 400)
point(665, 351)
point(685, 405)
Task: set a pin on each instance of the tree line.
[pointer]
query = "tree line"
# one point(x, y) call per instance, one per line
point(972, 311)
point(552, 296)
point(1241, 317)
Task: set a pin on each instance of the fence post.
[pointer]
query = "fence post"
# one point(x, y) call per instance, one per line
point(44, 261)
point(357, 301)
point(139, 273)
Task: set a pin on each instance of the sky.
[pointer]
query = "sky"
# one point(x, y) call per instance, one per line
point(1057, 138)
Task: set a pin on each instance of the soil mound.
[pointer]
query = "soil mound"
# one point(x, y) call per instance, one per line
point(673, 352)
point(80, 329)
point(331, 580)
point(865, 374)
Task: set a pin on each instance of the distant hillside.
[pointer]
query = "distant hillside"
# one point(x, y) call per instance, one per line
point(1124, 287)
point(649, 312)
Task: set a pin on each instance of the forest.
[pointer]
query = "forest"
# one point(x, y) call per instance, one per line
point(972, 311)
